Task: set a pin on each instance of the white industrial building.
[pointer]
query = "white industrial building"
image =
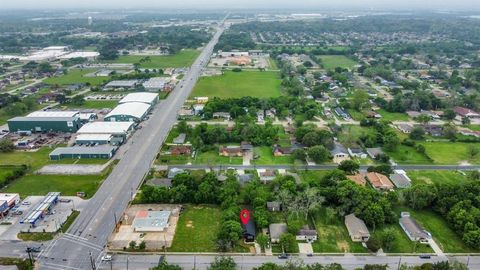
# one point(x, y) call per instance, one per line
point(128, 112)
point(151, 221)
point(114, 128)
point(93, 138)
point(88, 55)
point(142, 97)
point(156, 84)
point(121, 84)
point(54, 114)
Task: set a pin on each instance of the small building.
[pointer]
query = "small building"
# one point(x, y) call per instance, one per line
point(279, 151)
point(246, 146)
point(400, 179)
point(266, 175)
point(117, 129)
point(156, 84)
point(151, 221)
point(142, 97)
point(414, 231)
point(374, 152)
point(93, 139)
point(465, 112)
point(356, 153)
point(274, 206)
point(7, 201)
point(249, 231)
point(230, 151)
point(77, 152)
point(341, 113)
point(125, 84)
point(128, 112)
point(87, 117)
point(357, 229)
point(379, 181)
point(358, 179)
point(405, 128)
point(181, 150)
point(308, 235)
point(276, 230)
point(339, 153)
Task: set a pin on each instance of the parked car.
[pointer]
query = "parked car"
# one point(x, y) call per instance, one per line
point(283, 256)
point(425, 256)
point(106, 258)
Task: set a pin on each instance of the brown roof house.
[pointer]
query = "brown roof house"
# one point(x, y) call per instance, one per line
point(179, 150)
point(357, 229)
point(358, 178)
point(379, 181)
point(465, 112)
point(230, 151)
point(282, 151)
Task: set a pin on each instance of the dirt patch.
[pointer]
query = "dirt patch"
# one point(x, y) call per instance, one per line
point(425, 179)
point(342, 245)
point(189, 224)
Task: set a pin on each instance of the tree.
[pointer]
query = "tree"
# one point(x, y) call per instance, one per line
point(388, 237)
point(319, 154)
point(359, 99)
point(78, 100)
point(223, 263)
point(391, 141)
point(449, 114)
point(349, 166)
point(466, 121)
point(108, 52)
point(299, 154)
point(373, 244)
point(420, 196)
point(423, 119)
point(142, 245)
point(472, 151)
point(6, 146)
point(230, 232)
point(45, 67)
point(288, 242)
point(262, 241)
point(417, 133)
point(165, 266)
point(132, 244)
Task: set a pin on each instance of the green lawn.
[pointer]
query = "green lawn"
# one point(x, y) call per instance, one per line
point(94, 104)
point(402, 243)
point(265, 157)
point(4, 172)
point(239, 84)
point(451, 152)
point(197, 229)
point(333, 61)
point(69, 185)
point(77, 76)
point(445, 237)
point(473, 127)
point(212, 157)
point(408, 155)
point(184, 58)
point(389, 116)
point(312, 176)
point(333, 236)
point(436, 177)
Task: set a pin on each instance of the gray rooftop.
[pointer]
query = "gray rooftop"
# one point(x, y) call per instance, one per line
point(103, 149)
point(277, 229)
point(356, 226)
point(400, 180)
point(42, 119)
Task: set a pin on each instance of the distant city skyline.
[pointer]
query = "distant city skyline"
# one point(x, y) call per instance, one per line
point(458, 5)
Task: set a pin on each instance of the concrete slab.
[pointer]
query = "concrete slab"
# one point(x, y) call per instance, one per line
point(305, 248)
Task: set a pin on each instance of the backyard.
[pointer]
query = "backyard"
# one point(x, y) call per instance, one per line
point(239, 84)
point(197, 229)
point(77, 76)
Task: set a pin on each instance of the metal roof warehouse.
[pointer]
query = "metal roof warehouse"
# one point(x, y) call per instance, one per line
point(53, 114)
point(104, 151)
point(114, 128)
point(128, 112)
point(143, 97)
point(93, 138)
point(122, 84)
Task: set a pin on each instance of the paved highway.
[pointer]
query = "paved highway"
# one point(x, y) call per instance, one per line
point(83, 245)
point(139, 262)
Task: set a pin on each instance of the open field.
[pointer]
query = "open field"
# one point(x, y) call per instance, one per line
point(266, 157)
point(402, 243)
point(311, 176)
point(333, 61)
point(436, 177)
point(212, 157)
point(183, 58)
point(389, 116)
point(77, 76)
point(451, 152)
point(197, 229)
point(68, 185)
point(333, 236)
point(445, 237)
point(239, 84)
point(94, 104)
point(408, 155)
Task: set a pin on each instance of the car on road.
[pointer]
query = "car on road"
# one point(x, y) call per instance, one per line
point(283, 256)
point(26, 203)
point(425, 256)
point(106, 258)
point(33, 249)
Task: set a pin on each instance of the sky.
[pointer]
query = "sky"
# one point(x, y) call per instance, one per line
point(453, 5)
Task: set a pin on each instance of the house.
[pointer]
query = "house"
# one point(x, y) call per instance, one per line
point(357, 229)
point(413, 230)
point(307, 234)
point(230, 151)
point(281, 151)
point(465, 112)
point(434, 130)
point(400, 179)
point(174, 171)
point(340, 112)
point(180, 139)
point(246, 146)
point(379, 181)
point(249, 231)
point(374, 152)
point(266, 175)
point(224, 115)
point(274, 206)
point(405, 128)
point(276, 230)
point(339, 153)
point(358, 178)
point(181, 150)
point(469, 132)
point(373, 114)
point(356, 153)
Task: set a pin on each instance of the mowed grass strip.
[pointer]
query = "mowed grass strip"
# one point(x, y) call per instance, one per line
point(451, 153)
point(184, 58)
point(197, 229)
point(77, 76)
point(334, 61)
point(436, 177)
point(239, 84)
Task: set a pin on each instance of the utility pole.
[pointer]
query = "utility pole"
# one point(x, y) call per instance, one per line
point(399, 262)
point(91, 261)
point(115, 218)
point(127, 262)
point(29, 252)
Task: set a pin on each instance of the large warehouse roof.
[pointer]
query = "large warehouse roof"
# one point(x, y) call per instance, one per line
point(143, 97)
point(134, 109)
point(126, 83)
point(93, 137)
point(79, 54)
point(106, 128)
point(78, 150)
point(42, 119)
point(53, 114)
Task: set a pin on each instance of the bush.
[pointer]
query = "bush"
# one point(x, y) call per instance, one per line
point(237, 70)
point(374, 244)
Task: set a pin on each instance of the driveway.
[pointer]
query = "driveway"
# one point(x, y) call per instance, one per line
point(305, 248)
point(435, 247)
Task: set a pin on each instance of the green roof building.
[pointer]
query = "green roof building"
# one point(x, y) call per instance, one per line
point(44, 124)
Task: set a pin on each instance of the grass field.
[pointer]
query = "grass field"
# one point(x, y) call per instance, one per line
point(451, 152)
point(197, 229)
point(265, 157)
point(333, 236)
point(239, 84)
point(4, 172)
point(212, 157)
point(184, 58)
point(408, 155)
point(311, 176)
point(333, 61)
point(76, 76)
point(473, 127)
point(389, 116)
point(94, 104)
point(436, 177)
point(445, 237)
point(68, 185)
point(402, 243)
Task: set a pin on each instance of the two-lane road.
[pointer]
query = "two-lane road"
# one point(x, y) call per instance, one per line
point(83, 245)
